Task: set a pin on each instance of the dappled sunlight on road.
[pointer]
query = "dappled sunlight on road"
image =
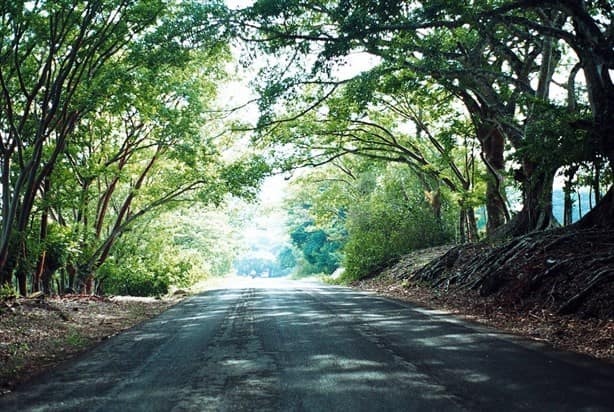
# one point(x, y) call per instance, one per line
point(280, 344)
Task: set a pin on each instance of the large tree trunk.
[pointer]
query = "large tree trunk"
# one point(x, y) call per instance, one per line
point(493, 144)
point(536, 212)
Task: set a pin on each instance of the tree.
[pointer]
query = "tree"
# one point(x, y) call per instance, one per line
point(50, 53)
point(170, 249)
point(391, 220)
point(377, 208)
point(500, 60)
point(416, 126)
point(103, 105)
point(316, 227)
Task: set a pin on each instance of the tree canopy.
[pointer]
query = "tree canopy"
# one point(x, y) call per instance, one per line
point(531, 78)
point(109, 116)
point(106, 118)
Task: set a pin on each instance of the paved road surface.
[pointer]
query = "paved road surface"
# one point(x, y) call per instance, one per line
point(307, 347)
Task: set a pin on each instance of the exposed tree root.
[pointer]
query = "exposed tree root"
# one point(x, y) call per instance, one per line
point(568, 270)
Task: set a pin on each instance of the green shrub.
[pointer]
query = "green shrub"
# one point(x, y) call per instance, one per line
point(8, 291)
point(392, 221)
point(134, 279)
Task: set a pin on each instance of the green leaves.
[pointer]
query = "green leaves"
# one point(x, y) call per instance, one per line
point(243, 178)
point(365, 215)
point(111, 102)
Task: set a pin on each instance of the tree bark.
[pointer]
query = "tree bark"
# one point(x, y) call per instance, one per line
point(71, 270)
point(21, 270)
point(536, 212)
point(44, 224)
point(468, 228)
point(493, 144)
point(40, 267)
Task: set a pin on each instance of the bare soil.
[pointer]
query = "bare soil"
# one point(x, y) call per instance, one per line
point(576, 332)
point(37, 334)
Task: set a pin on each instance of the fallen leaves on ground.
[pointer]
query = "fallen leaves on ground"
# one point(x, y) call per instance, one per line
point(36, 334)
point(591, 336)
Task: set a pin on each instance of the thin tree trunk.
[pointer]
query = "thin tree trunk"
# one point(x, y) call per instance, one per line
point(596, 181)
point(568, 207)
point(467, 225)
point(568, 200)
point(21, 270)
point(40, 267)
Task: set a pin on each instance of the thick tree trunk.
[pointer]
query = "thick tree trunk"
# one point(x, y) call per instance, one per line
point(536, 212)
point(493, 144)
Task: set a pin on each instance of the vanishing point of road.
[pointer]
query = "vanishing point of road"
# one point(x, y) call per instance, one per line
point(292, 346)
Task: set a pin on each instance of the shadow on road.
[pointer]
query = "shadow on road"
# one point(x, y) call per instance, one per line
point(296, 346)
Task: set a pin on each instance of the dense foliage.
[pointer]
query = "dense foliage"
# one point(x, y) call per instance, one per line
point(108, 118)
point(527, 82)
point(478, 98)
point(391, 220)
point(104, 123)
point(368, 221)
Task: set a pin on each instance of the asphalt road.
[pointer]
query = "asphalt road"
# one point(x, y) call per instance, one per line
point(307, 347)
